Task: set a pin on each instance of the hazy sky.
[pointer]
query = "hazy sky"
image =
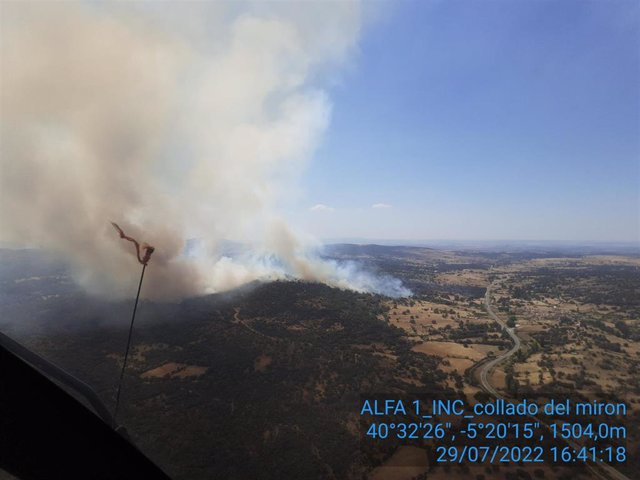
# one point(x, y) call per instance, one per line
point(484, 120)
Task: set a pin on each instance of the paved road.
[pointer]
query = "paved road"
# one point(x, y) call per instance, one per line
point(488, 367)
point(600, 470)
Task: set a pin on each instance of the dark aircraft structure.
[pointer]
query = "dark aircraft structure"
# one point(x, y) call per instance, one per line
point(47, 433)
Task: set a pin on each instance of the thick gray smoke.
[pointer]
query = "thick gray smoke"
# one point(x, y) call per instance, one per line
point(176, 120)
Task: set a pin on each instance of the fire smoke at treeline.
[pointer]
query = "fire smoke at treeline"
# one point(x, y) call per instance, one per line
point(176, 120)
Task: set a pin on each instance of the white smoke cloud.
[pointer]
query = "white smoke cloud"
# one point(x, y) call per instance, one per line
point(381, 206)
point(176, 120)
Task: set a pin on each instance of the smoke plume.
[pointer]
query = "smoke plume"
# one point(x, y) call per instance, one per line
point(176, 120)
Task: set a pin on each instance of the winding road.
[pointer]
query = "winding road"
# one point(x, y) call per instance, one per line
point(488, 367)
point(600, 470)
point(237, 319)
